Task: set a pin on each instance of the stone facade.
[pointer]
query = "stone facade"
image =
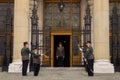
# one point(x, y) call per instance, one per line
point(100, 30)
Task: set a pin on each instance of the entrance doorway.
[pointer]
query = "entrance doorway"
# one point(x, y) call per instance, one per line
point(65, 40)
point(64, 27)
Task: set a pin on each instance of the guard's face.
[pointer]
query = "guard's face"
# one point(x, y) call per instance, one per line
point(36, 51)
point(27, 45)
point(60, 45)
point(88, 44)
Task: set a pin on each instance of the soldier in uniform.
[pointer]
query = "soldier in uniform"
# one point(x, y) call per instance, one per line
point(25, 58)
point(89, 58)
point(60, 54)
point(36, 62)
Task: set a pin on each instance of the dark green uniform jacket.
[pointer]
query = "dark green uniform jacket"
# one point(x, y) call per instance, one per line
point(36, 59)
point(60, 51)
point(25, 53)
point(89, 53)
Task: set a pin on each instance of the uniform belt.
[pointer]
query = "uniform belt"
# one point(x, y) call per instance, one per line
point(37, 59)
point(25, 54)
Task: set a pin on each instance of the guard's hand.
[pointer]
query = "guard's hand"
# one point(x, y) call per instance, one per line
point(80, 49)
point(42, 54)
point(63, 57)
point(57, 57)
point(85, 60)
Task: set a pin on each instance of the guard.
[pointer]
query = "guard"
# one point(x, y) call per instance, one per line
point(89, 59)
point(36, 62)
point(60, 54)
point(25, 58)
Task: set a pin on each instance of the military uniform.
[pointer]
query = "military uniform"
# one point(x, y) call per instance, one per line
point(25, 59)
point(36, 62)
point(90, 60)
point(60, 53)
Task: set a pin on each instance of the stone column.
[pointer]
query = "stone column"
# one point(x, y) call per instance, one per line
point(83, 11)
point(21, 31)
point(101, 37)
point(40, 14)
point(40, 25)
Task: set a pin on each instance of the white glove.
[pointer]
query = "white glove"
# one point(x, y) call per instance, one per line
point(42, 54)
point(85, 60)
point(80, 49)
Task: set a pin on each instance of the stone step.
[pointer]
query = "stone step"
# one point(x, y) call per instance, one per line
point(48, 73)
point(62, 68)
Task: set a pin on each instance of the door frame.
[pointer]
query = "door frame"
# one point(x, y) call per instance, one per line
point(52, 46)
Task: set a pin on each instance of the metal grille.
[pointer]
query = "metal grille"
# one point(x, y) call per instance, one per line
point(7, 38)
point(115, 37)
point(37, 39)
point(84, 32)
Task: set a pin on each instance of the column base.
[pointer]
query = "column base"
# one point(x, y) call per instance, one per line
point(16, 67)
point(103, 66)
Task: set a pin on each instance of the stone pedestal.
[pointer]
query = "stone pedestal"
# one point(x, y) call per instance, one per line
point(101, 37)
point(16, 67)
point(21, 32)
point(103, 66)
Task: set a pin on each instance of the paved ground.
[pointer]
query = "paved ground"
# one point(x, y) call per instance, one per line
point(59, 74)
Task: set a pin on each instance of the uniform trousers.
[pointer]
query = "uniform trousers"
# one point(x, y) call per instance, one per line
point(90, 67)
point(24, 67)
point(60, 61)
point(36, 69)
